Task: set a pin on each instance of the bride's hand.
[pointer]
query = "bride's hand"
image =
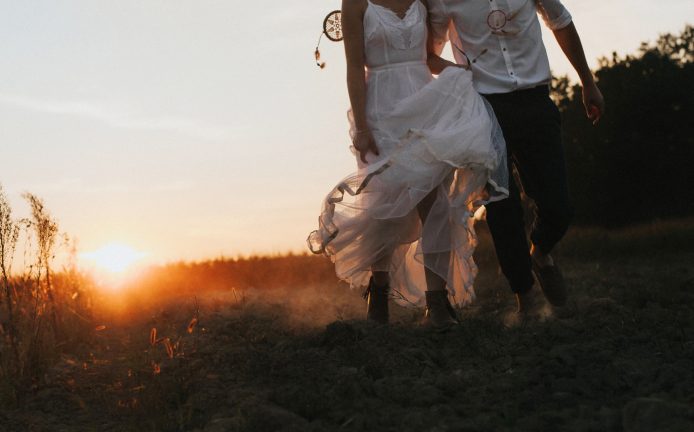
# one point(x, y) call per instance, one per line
point(364, 143)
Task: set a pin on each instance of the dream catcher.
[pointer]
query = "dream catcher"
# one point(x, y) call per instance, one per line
point(332, 29)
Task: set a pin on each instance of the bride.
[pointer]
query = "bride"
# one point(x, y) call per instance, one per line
point(429, 153)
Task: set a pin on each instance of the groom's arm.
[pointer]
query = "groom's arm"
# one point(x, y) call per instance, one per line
point(570, 43)
point(559, 20)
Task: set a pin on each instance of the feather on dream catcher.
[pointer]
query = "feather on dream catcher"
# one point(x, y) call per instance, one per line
point(332, 29)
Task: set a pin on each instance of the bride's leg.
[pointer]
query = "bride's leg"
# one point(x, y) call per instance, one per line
point(434, 281)
point(377, 293)
point(381, 278)
point(439, 312)
point(379, 270)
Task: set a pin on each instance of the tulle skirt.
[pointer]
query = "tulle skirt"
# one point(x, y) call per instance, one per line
point(441, 150)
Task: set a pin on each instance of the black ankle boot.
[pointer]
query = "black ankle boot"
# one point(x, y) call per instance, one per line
point(377, 302)
point(439, 313)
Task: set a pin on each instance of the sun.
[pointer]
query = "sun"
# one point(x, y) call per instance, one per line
point(114, 257)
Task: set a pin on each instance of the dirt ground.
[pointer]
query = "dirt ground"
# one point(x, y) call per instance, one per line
point(619, 358)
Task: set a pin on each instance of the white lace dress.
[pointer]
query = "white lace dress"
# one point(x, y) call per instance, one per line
point(433, 135)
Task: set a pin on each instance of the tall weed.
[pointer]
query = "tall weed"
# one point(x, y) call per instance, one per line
point(42, 313)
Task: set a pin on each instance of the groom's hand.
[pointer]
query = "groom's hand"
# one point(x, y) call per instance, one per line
point(593, 102)
point(364, 143)
point(570, 43)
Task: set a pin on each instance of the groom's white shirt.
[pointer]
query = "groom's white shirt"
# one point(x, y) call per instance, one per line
point(511, 59)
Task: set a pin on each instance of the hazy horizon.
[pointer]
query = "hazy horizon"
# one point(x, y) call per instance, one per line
point(192, 130)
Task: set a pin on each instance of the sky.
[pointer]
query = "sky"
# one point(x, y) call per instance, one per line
point(193, 129)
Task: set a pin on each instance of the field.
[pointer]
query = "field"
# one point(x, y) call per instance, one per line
point(284, 348)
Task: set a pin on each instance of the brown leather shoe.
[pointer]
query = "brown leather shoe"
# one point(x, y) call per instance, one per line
point(552, 283)
point(377, 302)
point(439, 313)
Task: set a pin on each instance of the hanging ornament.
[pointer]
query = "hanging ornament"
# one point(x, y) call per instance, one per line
point(332, 29)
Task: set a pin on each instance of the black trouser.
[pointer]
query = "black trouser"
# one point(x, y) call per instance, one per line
point(532, 129)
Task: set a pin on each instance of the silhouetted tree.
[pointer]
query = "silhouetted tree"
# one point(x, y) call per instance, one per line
point(636, 165)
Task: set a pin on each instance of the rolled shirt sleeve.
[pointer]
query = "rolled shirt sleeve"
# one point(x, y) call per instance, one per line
point(553, 13)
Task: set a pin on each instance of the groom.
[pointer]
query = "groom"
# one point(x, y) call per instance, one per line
point(500, 41)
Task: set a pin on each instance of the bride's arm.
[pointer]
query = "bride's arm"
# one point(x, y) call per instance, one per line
point(434, 60)
point(353, 31)
point(437, 37)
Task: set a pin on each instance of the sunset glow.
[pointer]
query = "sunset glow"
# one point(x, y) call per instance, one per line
point(166, 136)
point(114, 257)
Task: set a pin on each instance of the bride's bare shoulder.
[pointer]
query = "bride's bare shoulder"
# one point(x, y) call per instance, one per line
point(353, 6)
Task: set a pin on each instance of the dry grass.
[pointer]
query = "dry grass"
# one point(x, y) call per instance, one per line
point(42, 314)
point(277, 343)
